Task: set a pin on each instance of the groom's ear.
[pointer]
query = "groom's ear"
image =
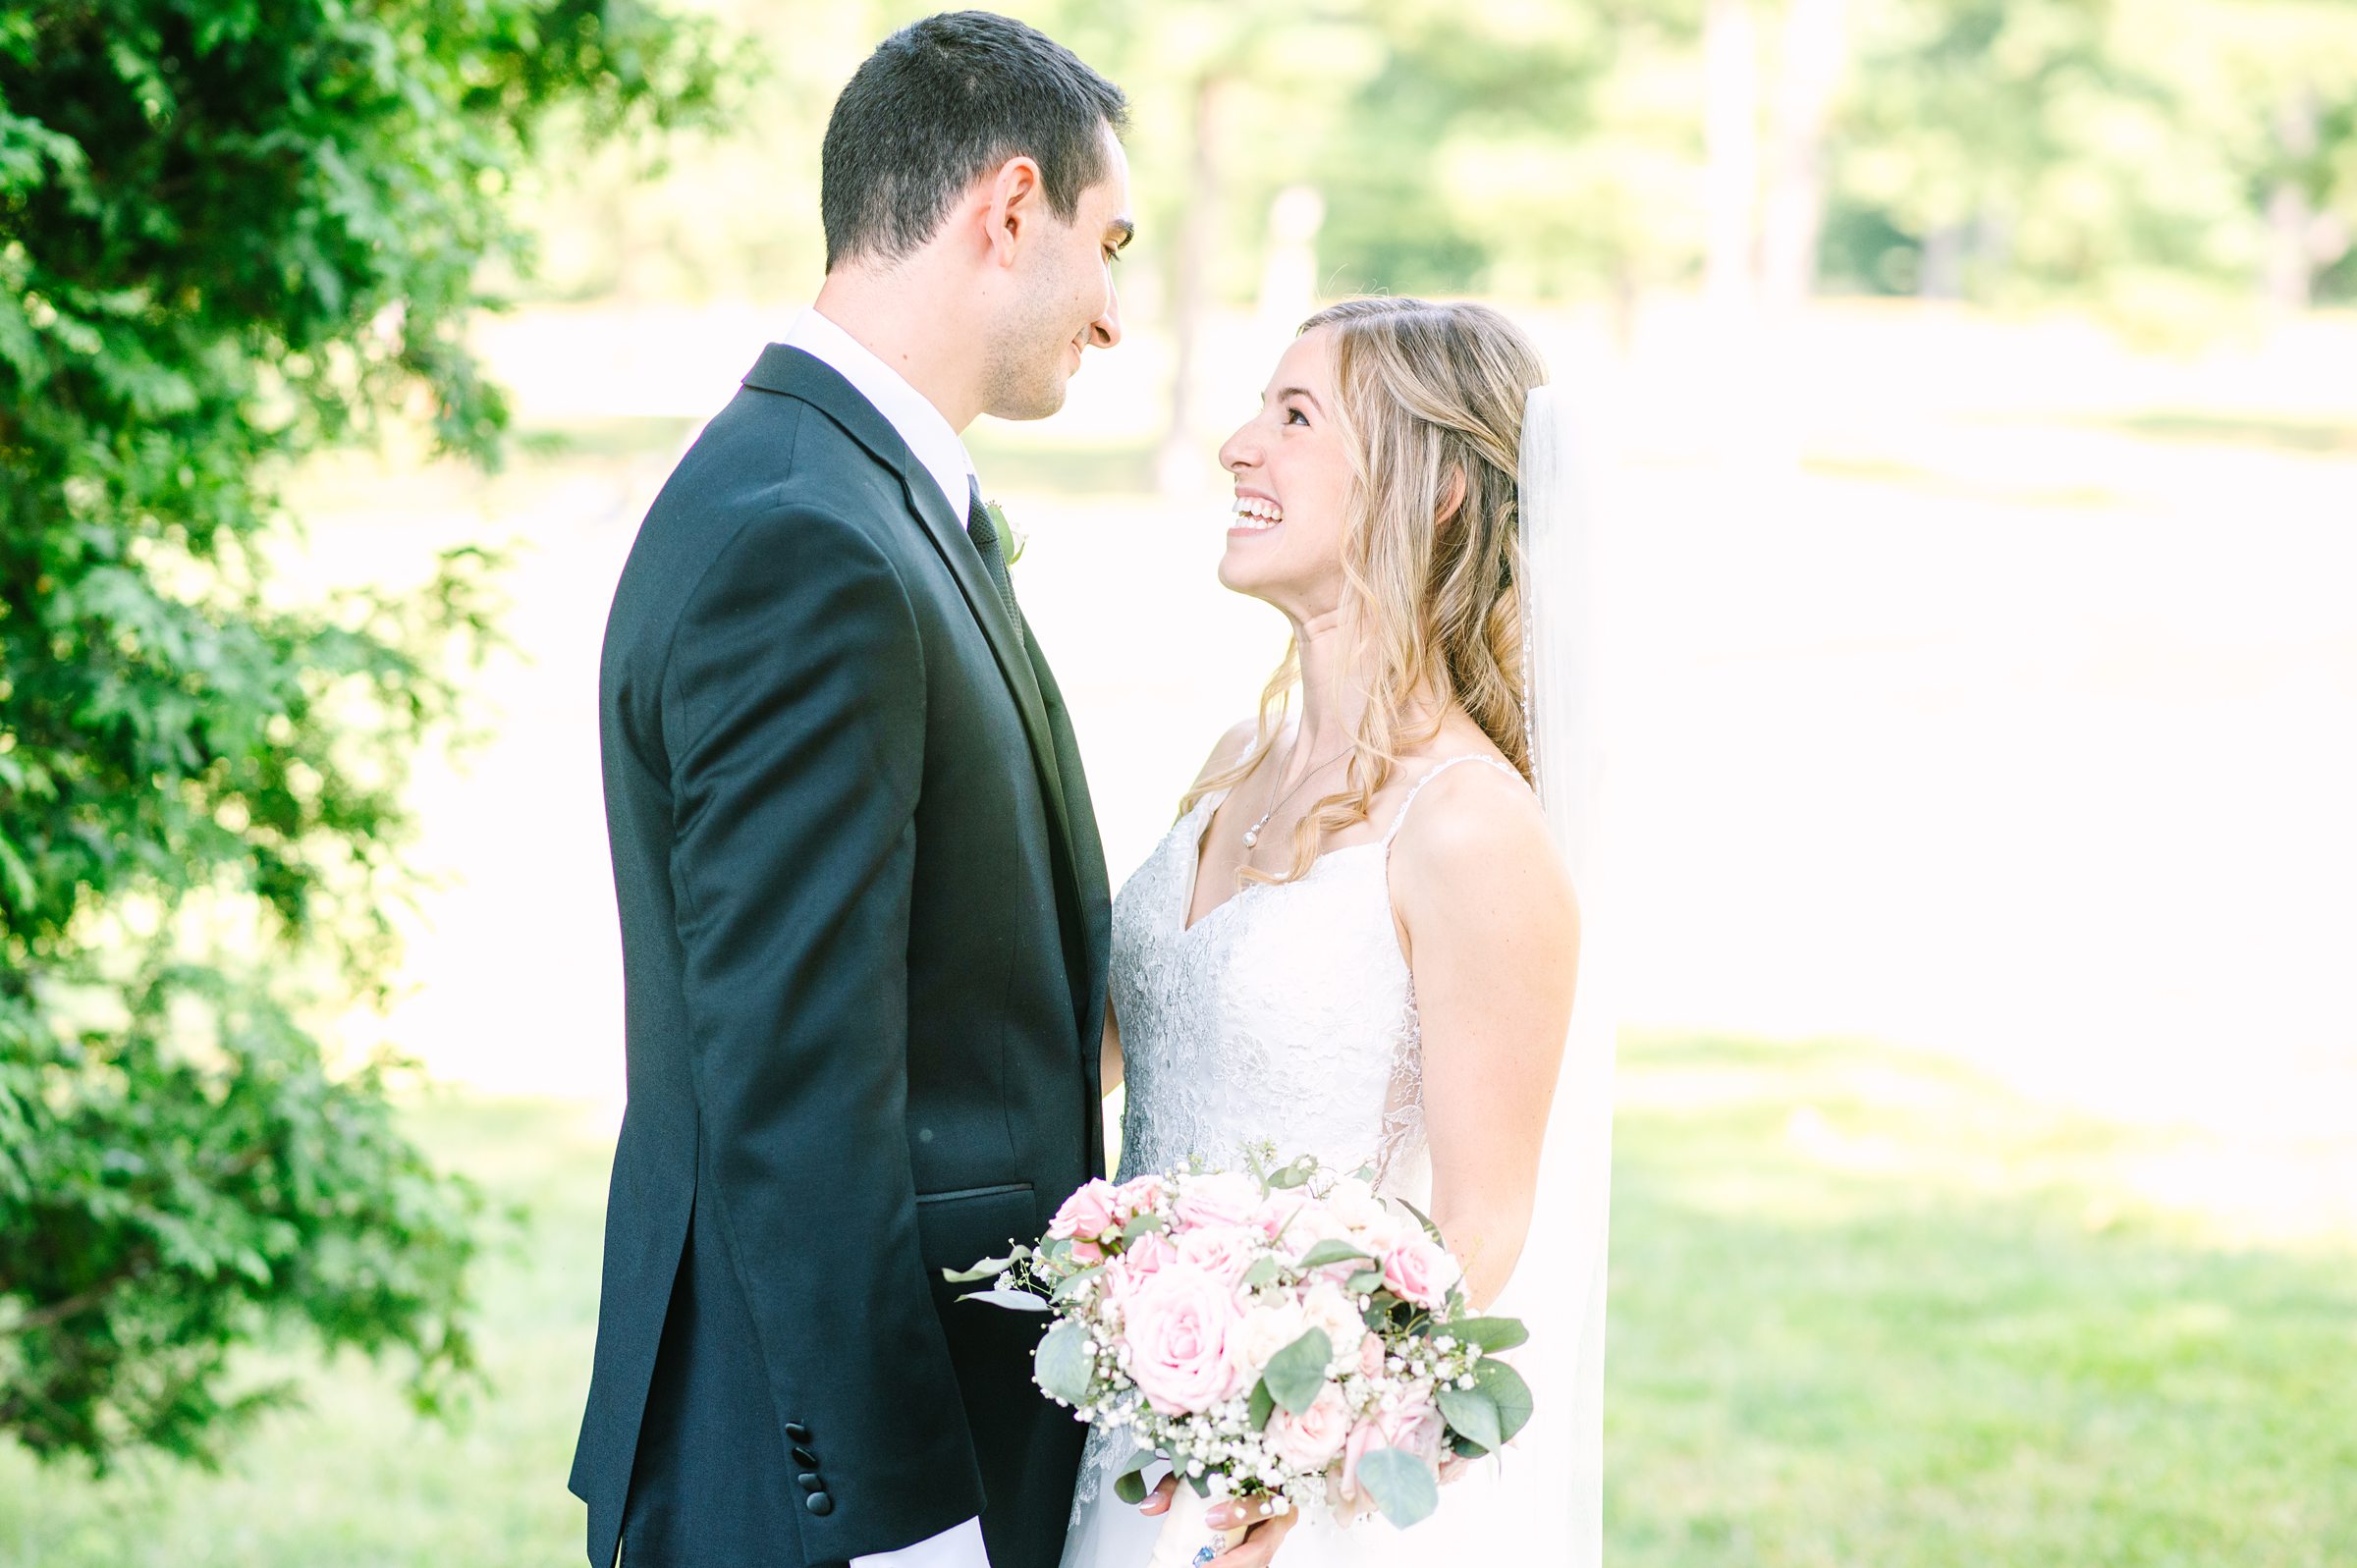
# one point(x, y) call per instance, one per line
point(1018, 198)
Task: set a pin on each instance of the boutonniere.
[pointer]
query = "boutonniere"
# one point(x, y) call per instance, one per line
point(1011, 538)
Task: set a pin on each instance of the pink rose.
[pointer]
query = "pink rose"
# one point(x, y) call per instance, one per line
point(1139, 1195)
point(1217, 1197)
point(1223, 1252)
point(1276, 1212)
point(1181, 1324)
point(1414, 1427)
point(1363, 1436)
point(1420, 1270)
point(1148, 1254)
point(1086, 1214)
point(1370, 1356)
point(1087, 1252)
point(1311, 1439)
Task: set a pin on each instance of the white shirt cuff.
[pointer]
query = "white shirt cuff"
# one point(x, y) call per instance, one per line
point(957, 1548)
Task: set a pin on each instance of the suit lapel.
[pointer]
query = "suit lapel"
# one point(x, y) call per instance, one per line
point(1093, 892)
point(796, 374)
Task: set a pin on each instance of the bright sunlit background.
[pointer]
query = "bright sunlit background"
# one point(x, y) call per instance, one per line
point(1982, 379)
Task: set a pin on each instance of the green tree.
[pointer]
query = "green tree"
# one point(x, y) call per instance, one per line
point(232, 233)
point(2160, 157)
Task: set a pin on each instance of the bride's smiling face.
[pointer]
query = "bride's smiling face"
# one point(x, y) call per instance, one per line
point(1292, 486)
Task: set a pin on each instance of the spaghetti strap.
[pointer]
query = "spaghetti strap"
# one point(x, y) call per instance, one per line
point(1434, 771)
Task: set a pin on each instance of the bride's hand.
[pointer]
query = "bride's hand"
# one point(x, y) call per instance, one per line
point(1260, 1542)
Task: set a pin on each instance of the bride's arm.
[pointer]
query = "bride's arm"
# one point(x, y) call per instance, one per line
point(1492, 933)
point(1110, 1051)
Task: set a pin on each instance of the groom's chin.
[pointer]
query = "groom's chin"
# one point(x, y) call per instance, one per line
point(1032, 403)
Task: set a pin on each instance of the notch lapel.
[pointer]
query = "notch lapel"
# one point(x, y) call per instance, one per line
point(800, 375)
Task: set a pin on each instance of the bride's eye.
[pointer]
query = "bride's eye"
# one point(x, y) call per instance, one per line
point(1291, 414)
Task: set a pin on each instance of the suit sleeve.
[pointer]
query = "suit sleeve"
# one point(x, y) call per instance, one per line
point(794, 706)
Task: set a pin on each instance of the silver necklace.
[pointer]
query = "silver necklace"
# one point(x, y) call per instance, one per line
point(1253, 834)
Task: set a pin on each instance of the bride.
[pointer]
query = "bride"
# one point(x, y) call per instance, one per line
point(1358, 940)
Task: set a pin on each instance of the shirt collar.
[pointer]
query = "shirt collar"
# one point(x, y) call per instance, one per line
point(903, 407)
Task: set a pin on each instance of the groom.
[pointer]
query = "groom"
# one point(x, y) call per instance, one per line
point(864, 903)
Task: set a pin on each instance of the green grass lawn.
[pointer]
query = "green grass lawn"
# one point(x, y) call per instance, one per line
point(1868, 1310)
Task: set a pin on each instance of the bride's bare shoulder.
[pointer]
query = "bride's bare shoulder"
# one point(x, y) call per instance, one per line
point(1231, 749)
point(1479, 827)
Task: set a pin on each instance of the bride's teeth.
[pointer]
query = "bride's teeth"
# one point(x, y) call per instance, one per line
point(1256, 513)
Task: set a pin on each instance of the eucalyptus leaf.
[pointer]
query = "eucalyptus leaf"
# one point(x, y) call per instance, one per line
point(1424, 1219)
point(1296, 1375)
point(1366, 1282)
point(1474, 1415)
point(1263, 1271)
point(1012, 1300)
point(1130, 1484)
point(1071, 1285)
point(1402, 1486)
point(1263, 1405)
point(1491, 1334)
point(1330, 1251)
point(1063, 1364)
point(1508, 1391)
point(1139, 1225)
point(987, 1269)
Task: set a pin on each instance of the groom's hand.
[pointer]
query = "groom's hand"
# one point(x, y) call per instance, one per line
point(1260, 1542)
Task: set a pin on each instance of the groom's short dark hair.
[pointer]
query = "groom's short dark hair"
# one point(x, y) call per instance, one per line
point(940, 102)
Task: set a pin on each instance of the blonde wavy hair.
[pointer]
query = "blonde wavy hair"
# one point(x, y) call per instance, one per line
point(1430, 394)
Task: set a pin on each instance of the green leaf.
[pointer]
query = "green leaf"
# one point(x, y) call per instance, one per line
point(1424, 1219)
point(1293, 1175)
point(1491, 1334)
point(1263, 1405)
point(1402, 1486)
point(1069, 1285)
point(1366, 1282)
point(987, 1269)
point(1332, 1250)
point(1063, 1364)
point(1130, 1484)
point(1296, 1375)
point(1139, 1225)
point(1474, 1415)
point(1013, 1300)
point(1263, 1271)
point(1508, 1391)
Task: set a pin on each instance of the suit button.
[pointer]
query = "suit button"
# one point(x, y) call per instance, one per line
point(810, 1479)
point(803, 1456)
point(795, 1432)
point(819, 1503)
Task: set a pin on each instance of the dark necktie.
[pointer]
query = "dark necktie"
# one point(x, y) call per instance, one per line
point(994, 559)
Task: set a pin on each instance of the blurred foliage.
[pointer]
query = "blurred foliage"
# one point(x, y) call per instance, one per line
point(232, 233)
point(2148, 155)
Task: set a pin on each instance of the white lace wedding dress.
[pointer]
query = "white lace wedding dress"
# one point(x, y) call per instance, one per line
point(1284, 1014)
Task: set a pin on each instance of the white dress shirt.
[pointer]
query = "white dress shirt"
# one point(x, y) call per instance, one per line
point(903, 407)
point(944, 456)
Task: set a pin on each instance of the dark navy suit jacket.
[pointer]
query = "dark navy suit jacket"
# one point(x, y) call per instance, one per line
point(864, 936)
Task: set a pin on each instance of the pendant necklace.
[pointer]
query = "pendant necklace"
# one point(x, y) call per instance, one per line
point(1253, 834)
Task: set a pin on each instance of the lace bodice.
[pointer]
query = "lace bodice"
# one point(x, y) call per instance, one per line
point(1286, 1014)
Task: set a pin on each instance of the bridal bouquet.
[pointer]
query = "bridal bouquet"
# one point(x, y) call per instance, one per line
point(1284, 1330)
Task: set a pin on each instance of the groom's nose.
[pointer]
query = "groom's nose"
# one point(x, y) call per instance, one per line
point(1105, 330)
